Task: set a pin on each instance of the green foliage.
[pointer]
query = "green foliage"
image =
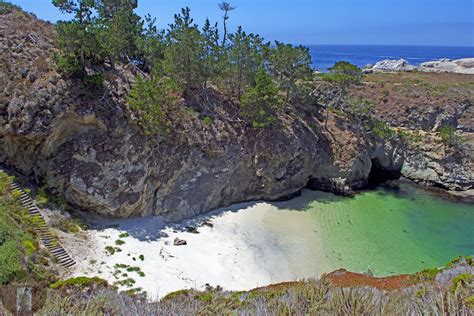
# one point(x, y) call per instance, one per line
point(289, 64)
point(75, 38)
point(410, 137)
point(119, 242)
point(10, 264)
point(260, 102)
point(343, 74)
point(346, 68)
point(211, 52)
point(94, 82)
point(129, 282)
point(151, 46)
point(69, 226)
point(207, 120)
point(449, 136)
point(153, 101)
point(428, 274)
point(10, 235)
point(17, 244)
point(461, 280)
point(67, 65)
point(7, 7)
point(184, 52)
point(112, 250)
point(141, 257)
point(119, 29)
point(42, 197)
point(81, 282)
point(469, 260)
point(29, 247)
point(470, 301)
point(381, 129)
point(244, 59)
point(124, 235)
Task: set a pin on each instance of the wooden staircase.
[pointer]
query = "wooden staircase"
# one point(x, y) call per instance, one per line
point(50, 241)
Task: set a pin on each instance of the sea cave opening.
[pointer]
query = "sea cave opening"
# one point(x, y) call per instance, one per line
point(379, 174)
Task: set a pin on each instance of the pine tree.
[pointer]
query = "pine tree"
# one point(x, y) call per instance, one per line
point(75, 33)
point(151, 46)
point(120, 29)
point(260, 101)
point(212, 51)
point(245, 58)
point(289, 64)
point(184, 52)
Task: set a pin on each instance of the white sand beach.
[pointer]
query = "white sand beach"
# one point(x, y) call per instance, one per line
point(249, 245)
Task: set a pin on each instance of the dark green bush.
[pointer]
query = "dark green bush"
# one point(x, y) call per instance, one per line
point(94, 82)
point(260, 102)
point(449, 137)
point(69, 66)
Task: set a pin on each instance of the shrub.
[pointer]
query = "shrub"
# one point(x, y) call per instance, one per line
point(343, 74)
point(94, 82)
point(80, 282)
point(42, 197)
point(29, 247)
point(69, 66)
point(10, 264)
point(449, 137)
point(68, 226)
point(410, 137)
point(207, 121)
point(381, 129)
point(153, 101)
point(460, 281)
point(119, 242)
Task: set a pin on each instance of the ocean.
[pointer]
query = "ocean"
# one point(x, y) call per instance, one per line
point(324, 56)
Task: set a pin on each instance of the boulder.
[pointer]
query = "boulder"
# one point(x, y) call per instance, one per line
point(389, 65)
point(461, 66)
point(179, 242)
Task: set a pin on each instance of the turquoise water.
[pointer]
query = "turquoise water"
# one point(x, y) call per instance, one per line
point(384, 230)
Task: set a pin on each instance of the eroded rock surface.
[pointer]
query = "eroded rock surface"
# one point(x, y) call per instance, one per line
point(88, 148)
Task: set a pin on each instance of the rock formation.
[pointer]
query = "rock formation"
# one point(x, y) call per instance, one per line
point(460, 66)
point(88, 148)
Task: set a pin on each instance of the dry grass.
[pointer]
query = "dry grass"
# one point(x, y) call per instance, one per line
point(302, 298)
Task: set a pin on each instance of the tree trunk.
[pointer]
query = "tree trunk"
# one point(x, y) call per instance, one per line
point(112, 61)
point(225, 29)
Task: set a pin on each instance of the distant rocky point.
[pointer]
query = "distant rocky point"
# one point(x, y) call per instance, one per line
point(461, 66)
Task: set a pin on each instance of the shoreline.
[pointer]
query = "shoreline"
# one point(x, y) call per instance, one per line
point(246, 246)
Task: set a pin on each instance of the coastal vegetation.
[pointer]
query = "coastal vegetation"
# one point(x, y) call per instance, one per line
point(223, 93)
point(20, 256)
point(180, 61)
point(329, 295)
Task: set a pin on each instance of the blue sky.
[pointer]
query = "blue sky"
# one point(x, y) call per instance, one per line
point(379, 22)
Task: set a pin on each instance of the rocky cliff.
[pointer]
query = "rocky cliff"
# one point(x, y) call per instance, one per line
point(88, 148)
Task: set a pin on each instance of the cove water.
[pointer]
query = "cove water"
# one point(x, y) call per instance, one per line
point(386, 231)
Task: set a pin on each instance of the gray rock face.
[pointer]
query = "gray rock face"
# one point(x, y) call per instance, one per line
point(388, 65)
point(461, 66)
point(89, 149)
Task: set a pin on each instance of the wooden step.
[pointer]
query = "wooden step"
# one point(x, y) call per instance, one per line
point(43, 230)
